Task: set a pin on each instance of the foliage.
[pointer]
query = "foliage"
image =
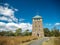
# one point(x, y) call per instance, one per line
point(6, 33)
point(54, 32)
point(26, 33)
point(46, 32)
point(18, 32)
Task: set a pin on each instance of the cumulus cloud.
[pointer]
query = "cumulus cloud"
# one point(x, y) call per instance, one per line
point(57, 24)
point(25, 26)
point(2, 25)
point(3, 18)
point(14, 26)
point(11, 26)
point(7, 12)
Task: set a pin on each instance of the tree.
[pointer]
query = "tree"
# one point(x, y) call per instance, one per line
point(46, 32)
point(55, 32)
point(27, 33)
point(18, 32)
point(6, 33)
point(9, 33)
point(2, 33)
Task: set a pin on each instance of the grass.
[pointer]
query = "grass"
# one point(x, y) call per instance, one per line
point(18, 40)
point(57, 41)
point(52, 41)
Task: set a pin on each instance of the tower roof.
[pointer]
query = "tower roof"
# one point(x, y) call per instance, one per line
point(37, 16)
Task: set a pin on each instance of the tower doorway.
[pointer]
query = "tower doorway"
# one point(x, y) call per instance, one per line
point(37, 34)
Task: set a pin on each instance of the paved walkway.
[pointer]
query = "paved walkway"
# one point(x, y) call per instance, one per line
point(39, 41)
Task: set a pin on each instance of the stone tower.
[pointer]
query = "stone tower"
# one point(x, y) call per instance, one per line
point(37, 28)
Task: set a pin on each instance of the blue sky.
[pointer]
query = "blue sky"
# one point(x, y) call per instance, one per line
point(48, 9)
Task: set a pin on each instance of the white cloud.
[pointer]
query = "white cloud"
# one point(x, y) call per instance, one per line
point(6, 4)
point(2, 23)
point(57, 24)
point(14, 26)
point(16, 9)
point(21, 19)
point(6, 11)
point(9, 12)
point(11, 26)
point(48, 24)
point(3, 18)
point(25, 26)
point(2, 26)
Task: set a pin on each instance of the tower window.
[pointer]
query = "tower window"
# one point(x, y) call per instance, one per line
point(37, 19)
